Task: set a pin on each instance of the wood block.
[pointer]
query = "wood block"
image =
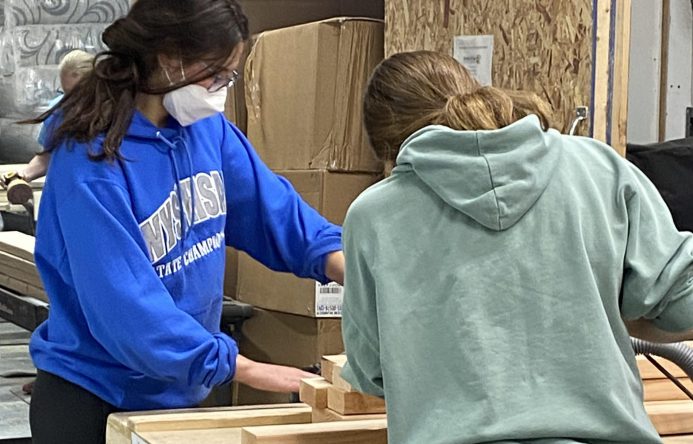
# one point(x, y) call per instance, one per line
point(665, 390)
point(345, 432)
point(352, 403)
point(327, 365)
point(18, 244)
point(313, 391)
point(680, 439)
point(120, 426)
point(671, 417)
point(327, 415)
point(649, 371)
point(20, 269)
point(337, 379)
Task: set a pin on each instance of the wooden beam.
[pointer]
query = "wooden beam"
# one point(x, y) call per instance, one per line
point(352, 403)
point(671, 417)
point(120, 426)
point(621, 63)
point(664, 69)
point(344, 432)
point(649, 371)
point(327, 415)
point(313, 391)
point(18, 244)
point(665, 390)
point(327, 365)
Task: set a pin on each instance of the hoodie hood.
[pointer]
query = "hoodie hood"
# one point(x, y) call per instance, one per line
point(494, 177)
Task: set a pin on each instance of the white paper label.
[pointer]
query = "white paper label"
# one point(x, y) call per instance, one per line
point(328, 300)
point(475, 52)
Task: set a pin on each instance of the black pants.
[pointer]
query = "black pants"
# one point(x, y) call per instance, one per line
point(62, 412)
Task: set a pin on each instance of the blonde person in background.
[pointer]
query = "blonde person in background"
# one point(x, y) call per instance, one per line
point(488, 278)
point(73, 66)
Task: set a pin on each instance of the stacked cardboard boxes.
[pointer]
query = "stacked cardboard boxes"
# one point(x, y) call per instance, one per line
point(302, 91)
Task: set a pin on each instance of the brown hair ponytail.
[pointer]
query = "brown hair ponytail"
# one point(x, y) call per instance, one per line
point(411, 90)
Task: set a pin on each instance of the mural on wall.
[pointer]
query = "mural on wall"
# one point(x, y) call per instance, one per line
point(34, 36)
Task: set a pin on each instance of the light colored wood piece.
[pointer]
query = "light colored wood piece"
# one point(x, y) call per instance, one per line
point(18, 244)
point(23, 288)
point(681, 439)
point(121, 425)
point(313, 391)
point(665, 390)
point(20, 269)
point(337, 379)
point(649, 371)
point(327, 415)
point(352, 403)
point(327, 364)
point(671, 417)
point(206, 436)
point(345, 432)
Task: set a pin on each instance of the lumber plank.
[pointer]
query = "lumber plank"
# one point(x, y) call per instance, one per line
point(352, 403)
point(337, 379)
point(344, 432)
point(121, 425)
point(313, 391)
point(20, 269)
point(18, 244)
point(327, 415)
point(671, 417)
point(205, 436)
point(680, 439)
point(665, 390)
point(649, 371)
point(23, 288)
point(327, 364)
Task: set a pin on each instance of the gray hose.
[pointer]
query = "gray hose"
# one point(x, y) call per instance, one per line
point(678, 353)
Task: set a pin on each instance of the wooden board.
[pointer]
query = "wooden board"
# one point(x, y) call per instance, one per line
point(121, 425)
point(570, 53)
point(23, 288)
point(206, 436)
point(18, 244)
point(352, 403)
point(665, 390)
point(337, 379)
point(20, 269)
point(671, 417)
point(681, 439)
point(649, 371)
point(313, 391)
point(327, 364)
point(346, 432)
point(327, 415)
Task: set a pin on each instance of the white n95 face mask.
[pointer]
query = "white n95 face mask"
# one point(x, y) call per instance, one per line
point(193, 102)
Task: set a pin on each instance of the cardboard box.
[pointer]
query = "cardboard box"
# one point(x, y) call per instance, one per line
point(288, 339)
point(331, 194)
point(303, 92)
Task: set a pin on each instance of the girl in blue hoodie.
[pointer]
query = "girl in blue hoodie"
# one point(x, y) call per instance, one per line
point(489, 277)
point(148, 183)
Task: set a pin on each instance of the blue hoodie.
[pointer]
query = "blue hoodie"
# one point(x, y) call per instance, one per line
point(131, 254)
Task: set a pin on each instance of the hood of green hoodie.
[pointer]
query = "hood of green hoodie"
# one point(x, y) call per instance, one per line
point(494, 177)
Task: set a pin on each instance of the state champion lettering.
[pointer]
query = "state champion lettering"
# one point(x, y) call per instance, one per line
point(162, 230)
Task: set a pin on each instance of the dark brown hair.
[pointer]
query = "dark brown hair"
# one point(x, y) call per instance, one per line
point(411, 90)
point(104, 100)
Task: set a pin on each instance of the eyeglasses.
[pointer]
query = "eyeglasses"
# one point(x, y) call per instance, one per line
point(220, 81)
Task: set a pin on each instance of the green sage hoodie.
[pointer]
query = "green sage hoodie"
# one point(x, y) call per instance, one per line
point(486, 283)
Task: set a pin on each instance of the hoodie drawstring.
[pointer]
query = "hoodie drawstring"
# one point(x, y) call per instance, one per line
point(185, 228)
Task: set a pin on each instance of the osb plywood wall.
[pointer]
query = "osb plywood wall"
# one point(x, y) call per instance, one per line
point(543, 46)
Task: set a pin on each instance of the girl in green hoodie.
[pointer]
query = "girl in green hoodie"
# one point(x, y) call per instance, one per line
point(494, 279)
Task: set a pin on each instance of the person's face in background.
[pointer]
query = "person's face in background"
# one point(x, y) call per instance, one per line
point(68, 80)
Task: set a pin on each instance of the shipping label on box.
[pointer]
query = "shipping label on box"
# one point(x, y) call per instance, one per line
point(328, 300)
